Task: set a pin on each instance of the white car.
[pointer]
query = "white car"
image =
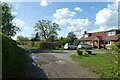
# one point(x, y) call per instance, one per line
point(84, 46)
point(69, 46)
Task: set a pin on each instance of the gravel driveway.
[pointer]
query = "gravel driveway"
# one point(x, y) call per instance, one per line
point(58, 64)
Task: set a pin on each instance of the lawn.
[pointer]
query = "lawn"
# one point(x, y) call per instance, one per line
point(98, 63)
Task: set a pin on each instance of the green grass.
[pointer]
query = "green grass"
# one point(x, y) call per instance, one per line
point(98, 63)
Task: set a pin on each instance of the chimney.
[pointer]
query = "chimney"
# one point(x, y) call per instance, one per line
point(85, 32)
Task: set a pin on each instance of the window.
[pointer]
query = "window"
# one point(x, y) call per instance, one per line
point(107, 42)
point(86, 35)
point(111, 33)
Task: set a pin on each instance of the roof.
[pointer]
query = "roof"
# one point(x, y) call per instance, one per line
point(102, 36)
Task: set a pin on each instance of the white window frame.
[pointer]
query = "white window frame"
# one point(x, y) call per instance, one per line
point(112, 33)
point(86, 35)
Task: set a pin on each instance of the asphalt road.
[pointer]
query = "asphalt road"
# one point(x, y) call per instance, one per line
point(57, 64)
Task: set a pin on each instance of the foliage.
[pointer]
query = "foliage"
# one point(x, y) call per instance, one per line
point(39, 45)
point(84, 52)
point(115, 53)
point(98, 63)
point(13, 59)
point(71, 36)
point(64, 41)
point(60, 48)
point(46, 28)
point(37, 37)
point(51, 39)
point(7, 26)
point(80, 52)
point(22, 38)
point(76, 42)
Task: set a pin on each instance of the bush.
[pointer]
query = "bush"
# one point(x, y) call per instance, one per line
point(37, 44)
point(8, 54)
point(14, 60)
point(79, 52)
point(89, 52)
point(76, 42)
point(116, 55)
point(40, 45)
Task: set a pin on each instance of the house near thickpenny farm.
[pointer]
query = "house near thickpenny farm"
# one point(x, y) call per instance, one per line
point(101, 39)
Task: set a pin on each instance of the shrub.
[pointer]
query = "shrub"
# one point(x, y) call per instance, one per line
point(8, 54)
point(116, 55)
point(79, 52)
point(14, 60)
point(37, 44)
point(89, 52)
point(76, 42)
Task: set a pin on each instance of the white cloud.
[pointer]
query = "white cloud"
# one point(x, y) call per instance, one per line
point(14, 12)
point(18, 22)
point(107, 18)
point(65, 17)
point(44, 3)
point(26, 27)
point(63, 13)
point(6, 0)
point(17, 5)
point(78, 9)
point(23, 27)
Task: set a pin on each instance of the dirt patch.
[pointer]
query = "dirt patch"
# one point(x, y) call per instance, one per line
point(42, 62)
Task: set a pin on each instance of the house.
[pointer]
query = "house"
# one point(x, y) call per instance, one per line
point(101, 39)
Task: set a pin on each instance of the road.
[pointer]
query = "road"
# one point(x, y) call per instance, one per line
point(57, 64)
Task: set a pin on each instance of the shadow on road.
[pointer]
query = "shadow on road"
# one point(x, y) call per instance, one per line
point(34, 70)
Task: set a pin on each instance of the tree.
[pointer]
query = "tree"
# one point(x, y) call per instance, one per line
point(7, 26)
point(46, 28)
point(52, 38)
point(37, 36)
point(22, 38)
point(76, 42)
point(71, 36)
point(64, 40)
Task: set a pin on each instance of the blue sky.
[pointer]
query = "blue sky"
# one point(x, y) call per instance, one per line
point(87, 16)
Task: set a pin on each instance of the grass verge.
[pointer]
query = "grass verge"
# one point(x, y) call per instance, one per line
point(98, 63)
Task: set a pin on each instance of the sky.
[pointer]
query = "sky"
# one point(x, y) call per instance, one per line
point(71, 16)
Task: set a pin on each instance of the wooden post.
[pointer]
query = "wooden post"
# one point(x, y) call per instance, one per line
point(98, 44)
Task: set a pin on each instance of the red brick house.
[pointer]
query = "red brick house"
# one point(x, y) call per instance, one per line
point(101, 39)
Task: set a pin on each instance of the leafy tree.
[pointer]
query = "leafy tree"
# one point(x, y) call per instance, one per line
point(71, 36)
point(46, 28)
point(76, 42)
point(52, 38)
point(64, 40)
point(7, 26)
point(22, 38)
point(37, 37)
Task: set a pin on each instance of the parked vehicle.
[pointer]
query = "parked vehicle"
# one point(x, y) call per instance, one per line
point(69, 46)
point(84, 46)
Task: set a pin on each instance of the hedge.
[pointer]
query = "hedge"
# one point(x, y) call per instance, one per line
point(14, 59)
point(8, 54)
point(39, 45)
